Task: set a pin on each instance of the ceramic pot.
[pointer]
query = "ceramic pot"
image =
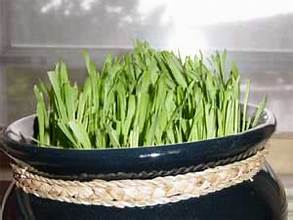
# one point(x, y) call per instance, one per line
point(262, 198)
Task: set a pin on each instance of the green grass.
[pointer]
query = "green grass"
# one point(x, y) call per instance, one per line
point(144, 98)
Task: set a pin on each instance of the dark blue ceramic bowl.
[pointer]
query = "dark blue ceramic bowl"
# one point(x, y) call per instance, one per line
point(260, 199)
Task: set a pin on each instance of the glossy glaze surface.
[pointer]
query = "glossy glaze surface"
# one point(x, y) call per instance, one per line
point(68, 162)
point(261, 199)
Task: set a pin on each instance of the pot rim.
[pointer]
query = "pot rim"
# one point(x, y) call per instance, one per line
point(137, 161)
point(270, 120)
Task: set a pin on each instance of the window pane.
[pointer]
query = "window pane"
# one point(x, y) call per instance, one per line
point(244, 25)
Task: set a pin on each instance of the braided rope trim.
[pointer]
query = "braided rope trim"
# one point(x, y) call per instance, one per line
point(137, 192)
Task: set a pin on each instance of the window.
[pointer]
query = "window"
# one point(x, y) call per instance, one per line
point(35, 33)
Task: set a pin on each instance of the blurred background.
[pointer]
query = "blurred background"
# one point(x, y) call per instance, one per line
point(258, 36)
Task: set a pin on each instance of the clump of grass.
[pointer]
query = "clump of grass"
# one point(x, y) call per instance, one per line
point(144, 98)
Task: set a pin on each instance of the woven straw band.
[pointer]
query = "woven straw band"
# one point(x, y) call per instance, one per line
point(138, 192)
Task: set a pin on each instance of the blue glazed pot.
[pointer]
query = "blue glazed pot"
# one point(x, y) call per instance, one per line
point(262, 198)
